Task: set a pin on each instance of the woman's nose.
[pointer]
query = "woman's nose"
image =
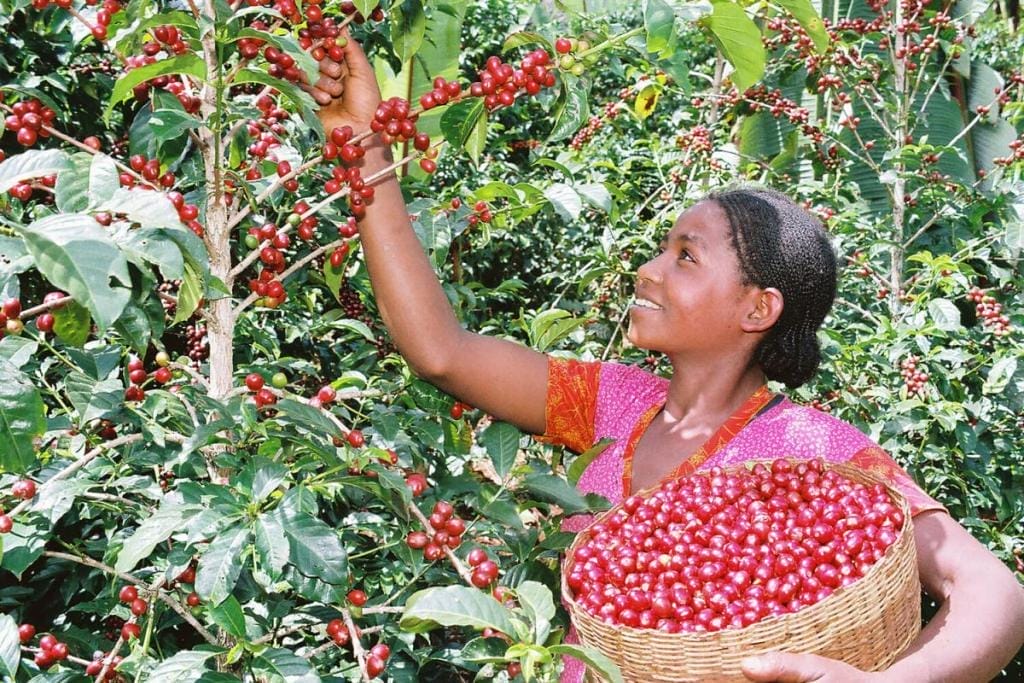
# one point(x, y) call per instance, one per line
point(648, 271)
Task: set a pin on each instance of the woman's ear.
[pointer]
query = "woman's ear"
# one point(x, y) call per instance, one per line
point(765, 312)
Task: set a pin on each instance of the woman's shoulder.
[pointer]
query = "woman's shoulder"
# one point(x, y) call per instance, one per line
point(790, 429)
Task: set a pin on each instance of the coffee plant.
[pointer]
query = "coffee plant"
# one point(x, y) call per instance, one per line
point(213, 464)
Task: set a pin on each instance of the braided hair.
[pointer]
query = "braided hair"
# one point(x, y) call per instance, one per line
point(781, 245)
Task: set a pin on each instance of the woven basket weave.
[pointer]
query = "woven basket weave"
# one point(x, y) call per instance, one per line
point(866, 624)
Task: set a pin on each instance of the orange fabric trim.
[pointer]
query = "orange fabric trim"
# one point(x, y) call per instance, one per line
point(571, 403)
point(730, 428)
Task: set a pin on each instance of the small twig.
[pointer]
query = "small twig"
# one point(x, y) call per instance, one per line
point(242, 305)
point(173, 604)
point(44, 307)
point(357, 647)
point(278, 182)
point(463, 572)
point(75, 466)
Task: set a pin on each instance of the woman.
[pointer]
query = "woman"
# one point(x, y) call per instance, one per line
point(735, 297)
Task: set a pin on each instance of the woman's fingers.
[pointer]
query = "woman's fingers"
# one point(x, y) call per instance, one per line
point(330, 68)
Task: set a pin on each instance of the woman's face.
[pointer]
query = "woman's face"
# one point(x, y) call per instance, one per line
point(688, 297)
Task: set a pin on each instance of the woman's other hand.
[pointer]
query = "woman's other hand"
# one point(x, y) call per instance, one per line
point(784, 667)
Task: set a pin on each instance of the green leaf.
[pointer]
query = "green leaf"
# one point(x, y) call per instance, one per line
point(306, 417)
point(408, 26)
point(221, 564)
point(185, 666)
point(22, 420)
point(10, 646)
point(271, 544)
point(739, 39)
point(190, 64)
point(72, 323)
point(805, 14)
point(32, 164)
point(334, 277)
point(287, 44)
point(168, 124)
point(147, 208)
point(521, 38)
point(565, 200)
point(454, 606)
point(262, 477)
point(538, 603)
point(659, 22)
point(594, 659)
point(189, 295)
point(583, 460)
point(228, 615)
point(94, 399)
point(154, 529)
point(72, 191)
point(24, 545)
point(306, 104)
point(573, 108)
point(278, 665)
point(316, 548)
point(501, 440)
point(74, 253)
point(104, 179)
point(1000, 375)
point(560, 492)
point(944, 314)
point(460, 120)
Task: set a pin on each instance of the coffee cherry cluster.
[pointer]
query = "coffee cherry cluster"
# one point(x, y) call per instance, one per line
point(27, 120)
point(187, 213)
point(915, 380)
point(990, 311)
point(595, 123)
point(481, 213)
point(150, 170)
point(10, 318)
point(446, 529)
point(282, 64)
point(485, 570)
point(198, 343)
point(499, 83)
point(394, 122)
point(99, 658)
point(137, 376)
point(129, 595)
point(572, 55)
point(349, 8)
point(24, 489)
point(262, 396)
point(724, 550)
point(50, 651)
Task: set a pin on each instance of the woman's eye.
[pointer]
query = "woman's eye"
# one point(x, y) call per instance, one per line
point(684, 255)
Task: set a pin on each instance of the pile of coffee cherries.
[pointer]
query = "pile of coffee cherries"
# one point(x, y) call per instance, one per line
point(727, 549)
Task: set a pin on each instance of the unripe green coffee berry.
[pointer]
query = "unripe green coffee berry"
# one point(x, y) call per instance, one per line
point(279, 380)
point(251, 241)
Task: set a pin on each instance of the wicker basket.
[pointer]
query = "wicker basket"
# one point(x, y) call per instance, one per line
point(866, 624)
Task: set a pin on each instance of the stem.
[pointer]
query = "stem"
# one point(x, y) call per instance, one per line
point(464, 573)
point(173, 604)
point(291, 269)
point(357, 647)
point(77, 465)
point(220, 321)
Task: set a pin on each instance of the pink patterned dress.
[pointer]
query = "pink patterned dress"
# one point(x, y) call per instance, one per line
point(591, 401)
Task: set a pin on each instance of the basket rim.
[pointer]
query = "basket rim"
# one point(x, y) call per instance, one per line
point(889, 558)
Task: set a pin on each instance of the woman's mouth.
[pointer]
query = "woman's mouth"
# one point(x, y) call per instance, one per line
point(644, 303)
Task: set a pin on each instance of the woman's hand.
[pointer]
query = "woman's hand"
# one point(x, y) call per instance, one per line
point(347, 92)
point(783, 667)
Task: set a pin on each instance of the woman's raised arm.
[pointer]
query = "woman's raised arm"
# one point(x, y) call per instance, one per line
point(503, 378)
